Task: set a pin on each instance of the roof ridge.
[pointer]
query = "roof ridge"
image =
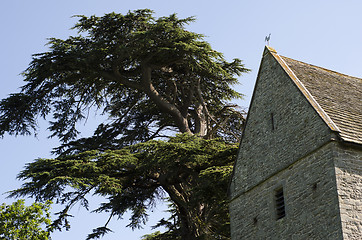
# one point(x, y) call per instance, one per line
point(323, 68)
point(335, 96)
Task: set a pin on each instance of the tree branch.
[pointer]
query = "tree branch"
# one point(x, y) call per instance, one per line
point(164, 105)
point(220, 125)
point(187, 99)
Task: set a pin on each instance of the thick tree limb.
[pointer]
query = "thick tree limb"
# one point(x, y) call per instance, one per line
point(165, 106)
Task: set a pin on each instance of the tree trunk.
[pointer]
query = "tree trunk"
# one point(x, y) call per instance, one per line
point(201, 126)
point(188, 227)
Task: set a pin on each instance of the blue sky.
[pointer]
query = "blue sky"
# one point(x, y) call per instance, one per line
point(320, 32)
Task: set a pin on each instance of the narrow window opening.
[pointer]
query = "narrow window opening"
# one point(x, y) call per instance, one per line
point(279, 203)
point(272, 121)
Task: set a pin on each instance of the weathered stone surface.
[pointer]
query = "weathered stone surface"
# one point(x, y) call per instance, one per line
point(311, 203)
point(348, 164)
point(297, 130)
point(288, 143)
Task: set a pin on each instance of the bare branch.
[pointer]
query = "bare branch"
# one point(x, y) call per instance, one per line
point(164, 105)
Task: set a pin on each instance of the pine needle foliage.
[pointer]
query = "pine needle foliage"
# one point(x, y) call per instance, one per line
point(152, 79)
point(191, 172)
point(148, 76)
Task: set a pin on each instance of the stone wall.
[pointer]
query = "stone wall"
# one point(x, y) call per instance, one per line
point(281, 128)
point(311, 202)
point(286, 144)
point(348, 163)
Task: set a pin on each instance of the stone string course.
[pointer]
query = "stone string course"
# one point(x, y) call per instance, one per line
point(311, 203)
point(321, 178)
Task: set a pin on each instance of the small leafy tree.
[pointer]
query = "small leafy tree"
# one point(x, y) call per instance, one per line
point(21, 222)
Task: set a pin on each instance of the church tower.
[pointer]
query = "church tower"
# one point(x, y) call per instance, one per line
point(298, 174)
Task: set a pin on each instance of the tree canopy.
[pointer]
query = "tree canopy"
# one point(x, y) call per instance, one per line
point(192, 172)
point(149, 76)
point(152, 79)
point(18, 221)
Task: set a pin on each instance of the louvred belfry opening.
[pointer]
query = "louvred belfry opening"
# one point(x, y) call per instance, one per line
point(279, 203)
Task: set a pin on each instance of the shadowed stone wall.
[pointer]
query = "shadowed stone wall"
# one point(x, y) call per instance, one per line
point(287, 145)
point(311, 202)
point(348, 164)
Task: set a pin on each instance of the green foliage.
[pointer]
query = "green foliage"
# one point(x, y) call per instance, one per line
point(192, 172)
point(20, 222)
point(152, 79)
point(156, 236)
point(149, 76)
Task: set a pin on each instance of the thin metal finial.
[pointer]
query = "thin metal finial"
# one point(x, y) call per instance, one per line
point(267, 38)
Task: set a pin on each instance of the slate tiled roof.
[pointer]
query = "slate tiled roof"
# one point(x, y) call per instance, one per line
point(335, 96)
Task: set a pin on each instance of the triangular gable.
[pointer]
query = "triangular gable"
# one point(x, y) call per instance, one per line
point(304, 90)
point(284, 123)
point(326, 101)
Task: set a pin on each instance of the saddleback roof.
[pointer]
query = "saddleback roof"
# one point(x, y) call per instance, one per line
point(335, 96)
